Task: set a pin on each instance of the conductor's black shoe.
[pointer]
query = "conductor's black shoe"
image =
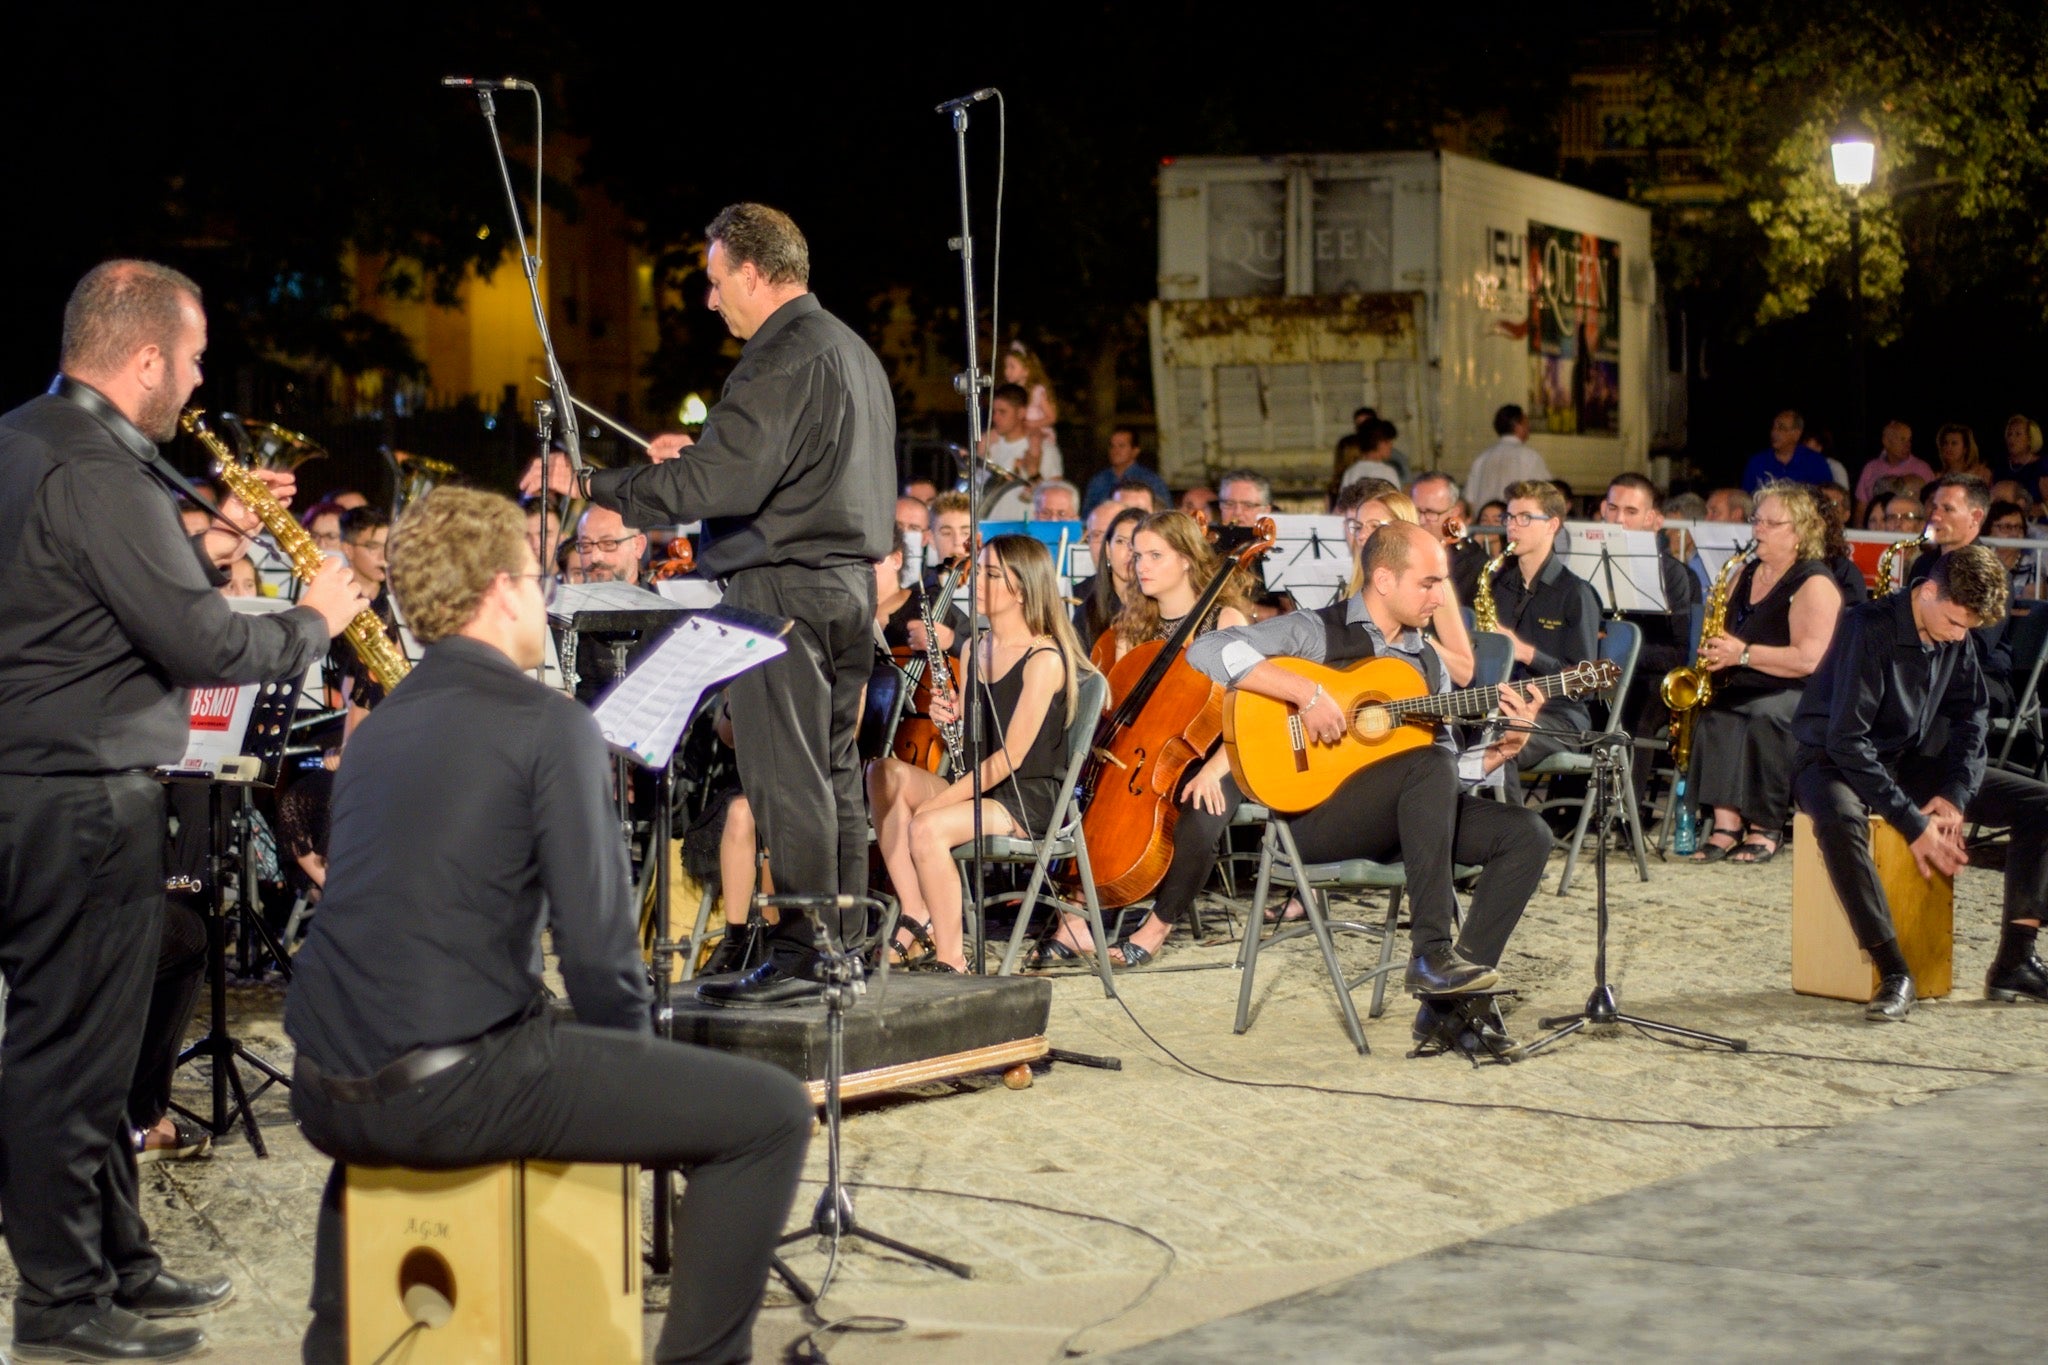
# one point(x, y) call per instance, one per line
point(2027, 980)
point(1442, 971)
point(771, 984)
point(735, 947)
point(171, 1296)
point(113, 1334)
point(1893, 1001)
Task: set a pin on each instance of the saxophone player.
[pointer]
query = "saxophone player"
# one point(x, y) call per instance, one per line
point(109, 615)
point(1548, 612)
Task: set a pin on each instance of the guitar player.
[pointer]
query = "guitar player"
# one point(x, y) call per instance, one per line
point(1395, 808)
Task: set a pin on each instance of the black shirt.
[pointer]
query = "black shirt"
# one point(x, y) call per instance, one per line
point(1873, 700)
point(796, 463)
point(470, 804)
point(1994, 643)
point(896, 629)
point(107, 615)
point(1559, 616)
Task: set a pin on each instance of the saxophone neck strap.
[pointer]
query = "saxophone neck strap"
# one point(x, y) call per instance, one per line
point(134, 442)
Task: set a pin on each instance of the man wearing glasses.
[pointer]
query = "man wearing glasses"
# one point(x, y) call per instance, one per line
point(1439, 501)
point(1547, 612)
point(1243, 497)
point(1957, 506)
point(609, 550)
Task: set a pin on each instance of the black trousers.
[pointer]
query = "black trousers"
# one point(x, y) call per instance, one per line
point(556, 1091)
point(1409, 808)
point(81, 907)
point(1841, 827)
point(180, 971)
point(796, 720)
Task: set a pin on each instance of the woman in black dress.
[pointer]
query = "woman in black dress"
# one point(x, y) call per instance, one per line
point(1781, 618)
point(1028, 665)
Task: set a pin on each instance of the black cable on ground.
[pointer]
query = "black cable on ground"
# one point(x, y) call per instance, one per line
point(807, 1349)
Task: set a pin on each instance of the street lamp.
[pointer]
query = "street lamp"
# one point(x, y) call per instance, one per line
point(1854, 152)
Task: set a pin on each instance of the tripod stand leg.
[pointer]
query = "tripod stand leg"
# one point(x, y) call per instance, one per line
point(905, 1249)
point(660, 1257)
point(1678, 1031)
point(224, 1067)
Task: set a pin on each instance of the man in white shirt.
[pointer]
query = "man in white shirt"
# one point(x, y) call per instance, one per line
point(1012, 450)
point(1510, 460)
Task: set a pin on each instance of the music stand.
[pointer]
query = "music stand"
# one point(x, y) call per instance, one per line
point(1310, 561)
point(1605, 747)
point(1623, 566)
point(237, 743)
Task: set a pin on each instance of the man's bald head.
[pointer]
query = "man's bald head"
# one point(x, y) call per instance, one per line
point(609, 548)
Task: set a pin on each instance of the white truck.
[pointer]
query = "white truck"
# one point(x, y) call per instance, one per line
point(1432, 287)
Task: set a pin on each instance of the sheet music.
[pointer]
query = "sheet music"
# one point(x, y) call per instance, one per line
point(571, 598)
point(646, 711)
point(1309, 560)
point(1718, 542)
point(1622, 565)
point(690, 593)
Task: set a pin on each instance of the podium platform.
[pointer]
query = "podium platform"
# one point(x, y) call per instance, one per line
point(928, 1026)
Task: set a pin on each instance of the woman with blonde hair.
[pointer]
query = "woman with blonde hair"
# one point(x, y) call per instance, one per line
point(1028, 668)
point(1781, 618)
point(2022, 462)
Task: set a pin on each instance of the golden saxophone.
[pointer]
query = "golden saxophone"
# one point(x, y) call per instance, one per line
point(1888, 562)
point(1483, 615)
point(1688, 688)
point(385, 660)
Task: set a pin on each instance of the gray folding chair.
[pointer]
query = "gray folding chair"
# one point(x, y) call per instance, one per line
point(1061, 841)
point(1620, 642)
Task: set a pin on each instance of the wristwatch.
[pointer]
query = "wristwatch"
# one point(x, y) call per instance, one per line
point(1743, 662)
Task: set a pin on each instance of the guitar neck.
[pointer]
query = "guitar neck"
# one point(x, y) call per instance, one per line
point(1472, 703)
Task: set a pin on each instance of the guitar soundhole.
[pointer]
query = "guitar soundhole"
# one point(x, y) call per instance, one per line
point(1372, 722)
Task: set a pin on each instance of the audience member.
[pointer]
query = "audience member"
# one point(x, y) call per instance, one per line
point(1041, 413)
point(1781, 617)
point(1956, 446)
point(1894, 457)
point(1139, 494)
point(2022, 463)
point(924, 490)
point(1055, 500)
point(1395, 456)
point(1842, 566)
point(1014, 448)
point(1728, 506)
point(1366, 456)
point(1509, 460)
point(1787, 457)
point(1202, 500)
point(1124, 456)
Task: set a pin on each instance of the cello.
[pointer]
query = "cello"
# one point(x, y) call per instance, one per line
point(1166, 720)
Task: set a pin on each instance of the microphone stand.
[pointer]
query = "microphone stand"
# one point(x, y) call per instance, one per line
point(1602, 1006)
point(529, 261)
point(970, 383)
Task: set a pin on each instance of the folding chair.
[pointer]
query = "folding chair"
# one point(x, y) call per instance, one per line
point(1620, 642)
point(1062, 840)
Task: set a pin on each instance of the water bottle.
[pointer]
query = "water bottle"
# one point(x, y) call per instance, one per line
point(1685, 830)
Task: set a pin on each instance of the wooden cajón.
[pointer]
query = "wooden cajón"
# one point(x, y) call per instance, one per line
point(1826, 959)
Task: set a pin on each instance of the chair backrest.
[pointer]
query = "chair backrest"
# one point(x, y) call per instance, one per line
point(1493, 658)
point(1094, 695)
point(2029, 635)
point(1622, 643)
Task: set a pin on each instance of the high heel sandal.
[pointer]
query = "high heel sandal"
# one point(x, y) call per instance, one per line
point(919, 950)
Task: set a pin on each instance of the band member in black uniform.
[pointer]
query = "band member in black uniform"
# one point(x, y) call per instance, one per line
point(1634, 503)
point(417, 1006)
point(794, 477)
point(109, 615)
point(1549, 613)
point(1410, 807)
point(1899, 664)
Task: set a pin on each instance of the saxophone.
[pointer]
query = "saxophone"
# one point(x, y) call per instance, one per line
point(1688, 688)
point(386, 661)
point(1483, 615)
point(1888, 562)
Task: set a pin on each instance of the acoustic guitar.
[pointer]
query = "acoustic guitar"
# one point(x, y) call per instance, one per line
point(1388, 712)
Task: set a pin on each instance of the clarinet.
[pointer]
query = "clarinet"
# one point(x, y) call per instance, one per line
point(938, 673)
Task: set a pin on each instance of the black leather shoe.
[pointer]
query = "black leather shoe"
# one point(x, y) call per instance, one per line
point(170, 1296)
point(769, 985)
point(736, 948)
point(113, 1334)
point(2026, 980)
point(1441, 971)
point(1893, 1001)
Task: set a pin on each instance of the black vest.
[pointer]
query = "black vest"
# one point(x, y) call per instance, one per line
point(1345, 643)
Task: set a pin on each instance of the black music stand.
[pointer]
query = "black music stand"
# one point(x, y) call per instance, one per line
point(1601, 1007)
point(261, 759)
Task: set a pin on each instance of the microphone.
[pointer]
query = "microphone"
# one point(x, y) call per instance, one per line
point(965, 100)
point(473, 83)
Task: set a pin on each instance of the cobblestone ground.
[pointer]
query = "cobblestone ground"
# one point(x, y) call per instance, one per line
point(1100, 1209)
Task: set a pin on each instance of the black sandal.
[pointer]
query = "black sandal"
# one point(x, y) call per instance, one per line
point(918, 951)
point(1049, 954)
point(1758, 844)
point(1133, 955)
point(1711, 852)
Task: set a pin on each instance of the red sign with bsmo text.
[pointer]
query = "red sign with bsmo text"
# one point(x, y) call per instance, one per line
point(213, 708)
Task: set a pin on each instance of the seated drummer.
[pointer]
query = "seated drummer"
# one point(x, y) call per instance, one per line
point(471, 814)
point(1409, 807)
point(1898, 664)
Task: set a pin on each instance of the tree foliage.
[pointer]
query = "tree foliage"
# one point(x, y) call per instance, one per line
point(1957, 94)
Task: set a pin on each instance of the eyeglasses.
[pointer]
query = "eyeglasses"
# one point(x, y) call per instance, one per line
point(1233, 505)
point(327, 540)
point(1907, 519)
point(609, 545)
point(547, 585)
point(1424, 514)
point(1527, 518)
point(1770, 521)
point(1354, 527)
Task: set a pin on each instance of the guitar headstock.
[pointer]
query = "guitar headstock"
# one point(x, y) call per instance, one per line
point(1595, 675)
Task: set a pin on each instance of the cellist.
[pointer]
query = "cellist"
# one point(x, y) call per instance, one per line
point(1171, 563)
